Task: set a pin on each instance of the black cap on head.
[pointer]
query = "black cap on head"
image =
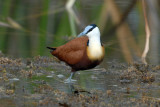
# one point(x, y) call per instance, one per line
point(94, 25)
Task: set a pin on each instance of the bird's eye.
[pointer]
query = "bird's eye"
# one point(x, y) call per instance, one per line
point(89, 30)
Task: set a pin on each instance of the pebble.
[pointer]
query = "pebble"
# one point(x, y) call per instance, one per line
point(49, 76)
point(93, 77)
point(60, 76)
point(14, 79)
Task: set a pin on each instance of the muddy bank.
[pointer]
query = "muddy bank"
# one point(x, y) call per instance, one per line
point(39, 81)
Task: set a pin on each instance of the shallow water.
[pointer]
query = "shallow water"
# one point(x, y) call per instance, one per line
point(29, 81)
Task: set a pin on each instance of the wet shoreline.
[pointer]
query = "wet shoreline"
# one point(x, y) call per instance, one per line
point(39, 81)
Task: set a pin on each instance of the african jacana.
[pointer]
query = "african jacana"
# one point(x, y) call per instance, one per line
point(82, 53)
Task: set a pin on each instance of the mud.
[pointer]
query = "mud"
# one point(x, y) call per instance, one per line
point(39, 82)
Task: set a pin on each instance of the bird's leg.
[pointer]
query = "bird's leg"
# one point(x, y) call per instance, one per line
point(70, 80)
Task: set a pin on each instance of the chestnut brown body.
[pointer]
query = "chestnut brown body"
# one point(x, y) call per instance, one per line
point(75, 54)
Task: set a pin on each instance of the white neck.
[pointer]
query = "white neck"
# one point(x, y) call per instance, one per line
point(94, 41)
point(94, 46)
point(94, 37)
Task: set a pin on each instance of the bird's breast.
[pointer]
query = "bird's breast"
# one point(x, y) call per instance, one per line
point(95, 53)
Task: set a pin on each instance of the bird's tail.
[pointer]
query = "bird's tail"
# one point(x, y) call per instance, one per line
point(51, 48)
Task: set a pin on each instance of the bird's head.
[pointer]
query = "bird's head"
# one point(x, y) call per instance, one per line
point(90, 31)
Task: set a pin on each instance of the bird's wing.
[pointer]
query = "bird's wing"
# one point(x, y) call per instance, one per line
point(73, 51)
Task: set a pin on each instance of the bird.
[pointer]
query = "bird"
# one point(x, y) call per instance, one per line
point(84, 52)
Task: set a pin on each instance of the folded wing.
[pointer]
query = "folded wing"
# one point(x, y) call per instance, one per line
point(73, 51)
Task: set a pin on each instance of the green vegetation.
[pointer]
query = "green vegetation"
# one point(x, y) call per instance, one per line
point(27, 27)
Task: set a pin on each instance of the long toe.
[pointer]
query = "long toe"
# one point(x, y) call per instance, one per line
point(69, 81)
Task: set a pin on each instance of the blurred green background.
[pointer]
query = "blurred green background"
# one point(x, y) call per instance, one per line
point(28, 26)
